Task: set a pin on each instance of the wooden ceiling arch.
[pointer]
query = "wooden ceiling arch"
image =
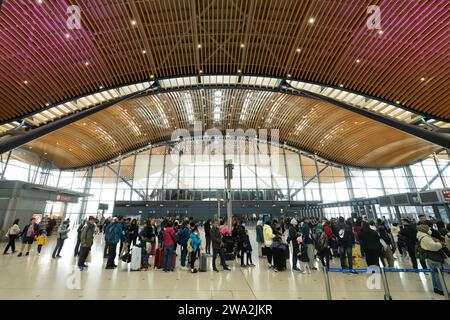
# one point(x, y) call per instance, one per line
point(320, 41)
point(307, 124)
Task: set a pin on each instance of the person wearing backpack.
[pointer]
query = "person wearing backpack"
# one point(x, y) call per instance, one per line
point(346, 240)
point(431, 250)
point(113, 233)
point(183, 237)
point(322, 247)
point(28, 234)
point(12, 234)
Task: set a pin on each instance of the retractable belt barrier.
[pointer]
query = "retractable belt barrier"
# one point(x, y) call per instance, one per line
point(387, 295)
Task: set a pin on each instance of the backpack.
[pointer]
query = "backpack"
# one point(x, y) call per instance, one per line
point(110, 234)
point(321, 243)
point(189, 245)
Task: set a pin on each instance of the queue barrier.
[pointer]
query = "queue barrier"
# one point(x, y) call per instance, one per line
point(387, 294)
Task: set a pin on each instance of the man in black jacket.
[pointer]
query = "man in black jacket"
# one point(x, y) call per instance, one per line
point(408, 233)
point(217, 246)
point(346, 240)
point(207, 227)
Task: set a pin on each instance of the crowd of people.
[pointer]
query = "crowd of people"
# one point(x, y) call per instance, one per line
point(304, 242)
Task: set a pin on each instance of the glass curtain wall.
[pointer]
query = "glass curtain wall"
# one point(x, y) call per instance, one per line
point(261, 173)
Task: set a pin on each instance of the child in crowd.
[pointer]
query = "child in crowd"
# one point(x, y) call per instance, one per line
point(41, 240)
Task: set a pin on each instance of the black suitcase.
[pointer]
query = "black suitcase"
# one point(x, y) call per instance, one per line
point(279, 258)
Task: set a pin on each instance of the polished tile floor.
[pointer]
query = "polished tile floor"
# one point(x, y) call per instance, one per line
point(41, 277)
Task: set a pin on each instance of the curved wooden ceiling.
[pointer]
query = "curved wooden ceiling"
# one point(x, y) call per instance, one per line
point(315, 126)
point(43, 62)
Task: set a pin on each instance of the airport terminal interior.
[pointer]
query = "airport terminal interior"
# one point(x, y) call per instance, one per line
point(312, 135)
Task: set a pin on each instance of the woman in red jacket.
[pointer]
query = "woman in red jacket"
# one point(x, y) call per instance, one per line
point(170, 239)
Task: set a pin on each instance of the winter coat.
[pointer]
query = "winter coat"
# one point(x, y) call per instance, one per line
point(183, 236)
point(346, 237)
point(328, 232)
point(87, 235)
point(306, 234)
point(170, 237)
point(409, 234)
point(62, 231)
point(207, 228)
point(370, 240)
point(259, 234)
point(13, 230)
point(113, 233)
point(195, 241)
point(293, 235)
point(268, 235)
point(216, 238)
point(134, 230)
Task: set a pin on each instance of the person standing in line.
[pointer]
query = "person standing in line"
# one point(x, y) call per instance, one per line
point(431, 249)
point(61, 236)
point(134, 232)
point(12, 234)
point(41, 240)
point(101, 223)
point(217, 246)
point(259, 237)
point(125, 239)
point(370, 245)
point(308, 242)
point(293, 235)
point(183, 237)
point(207, 228)
point(86, 241)
point(268, 240)
point(323, 246)
point(409, 234)
point(28, 236)
point(169, 247)
point(77, 245)
point(195, 243)
point(113, 233)
point(346, 240)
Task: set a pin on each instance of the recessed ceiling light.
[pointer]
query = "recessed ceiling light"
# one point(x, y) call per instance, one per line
point(152, 76)
point(341, 85)
point(311, 20)
point(242, 45)
point(133, 22)
point(144, 52)
point(101, 87)
point(298, 50)
point(86, 63)
point(199, 45)
point(358, 61)
point(239, 70)
point(47, 104)
point(45, 153)
point(289, 75)
point(397, 102)
point(26, 82)
point(422, 79)
point(40, 1)
point(380, 32)
point(30, 147)
point(201, 71)
point(67, 35)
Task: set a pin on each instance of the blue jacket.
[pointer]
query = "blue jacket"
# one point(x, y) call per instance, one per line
point(306, 234)
point(183, 236)
point(195, 241)
point(116, 235)
point(259, 234)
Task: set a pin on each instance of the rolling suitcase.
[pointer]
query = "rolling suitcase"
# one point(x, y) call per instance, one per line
point(202, 263)
point(159, 258)
point(136, 254)
point(279, 257)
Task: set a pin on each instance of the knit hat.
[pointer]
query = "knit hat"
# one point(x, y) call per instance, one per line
point(320, 226)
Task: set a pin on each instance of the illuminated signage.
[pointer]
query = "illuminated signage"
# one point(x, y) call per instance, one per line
point(60, 197)
point(37, 217)
point(446, 194)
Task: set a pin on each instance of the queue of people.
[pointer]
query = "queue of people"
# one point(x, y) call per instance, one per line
point(305, 242)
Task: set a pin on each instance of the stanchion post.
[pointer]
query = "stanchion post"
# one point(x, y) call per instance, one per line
point(443, 284)
point(327, 283)
point(387, 293)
